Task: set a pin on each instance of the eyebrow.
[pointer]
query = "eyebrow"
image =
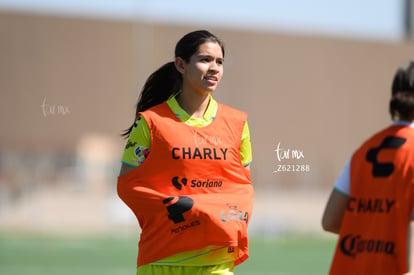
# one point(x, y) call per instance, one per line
point(209, 55)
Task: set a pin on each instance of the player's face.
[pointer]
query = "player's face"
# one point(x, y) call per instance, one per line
point(204, 70)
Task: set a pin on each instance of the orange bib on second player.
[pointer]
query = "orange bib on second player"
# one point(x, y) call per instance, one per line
point(373, 237)
point(192, 190)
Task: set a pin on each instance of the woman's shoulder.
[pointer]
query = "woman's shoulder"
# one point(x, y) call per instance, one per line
point(231, 111)
point(161, 109)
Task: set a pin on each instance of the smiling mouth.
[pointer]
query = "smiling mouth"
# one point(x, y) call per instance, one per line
point(211, 78)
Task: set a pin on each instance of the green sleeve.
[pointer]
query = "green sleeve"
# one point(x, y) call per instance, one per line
point(138, 144)
point(246, 147)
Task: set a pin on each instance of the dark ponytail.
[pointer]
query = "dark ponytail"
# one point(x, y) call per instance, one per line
point(166, 81)
point(160, 86)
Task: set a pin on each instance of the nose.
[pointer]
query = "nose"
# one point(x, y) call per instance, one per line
point(214, 66)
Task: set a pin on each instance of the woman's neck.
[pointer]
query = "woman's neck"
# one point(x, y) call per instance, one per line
point(195, 105)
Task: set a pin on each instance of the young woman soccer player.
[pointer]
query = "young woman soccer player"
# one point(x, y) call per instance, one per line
point(371, 205)
point(185, 171)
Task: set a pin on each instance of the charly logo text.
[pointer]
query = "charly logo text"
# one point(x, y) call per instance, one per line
point(197, 153)
point(370, 205)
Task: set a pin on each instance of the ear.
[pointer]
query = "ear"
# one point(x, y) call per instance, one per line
point(179, 64)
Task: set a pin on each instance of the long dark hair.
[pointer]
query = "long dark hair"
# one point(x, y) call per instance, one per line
point(167, 81)
point(402, 94)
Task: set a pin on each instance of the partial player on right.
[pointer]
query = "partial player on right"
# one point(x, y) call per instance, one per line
point(371, 205)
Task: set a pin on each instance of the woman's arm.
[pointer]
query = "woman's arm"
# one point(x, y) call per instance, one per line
point(137, 147)
point(410, 244)
point(246, 147)
point(125, 169)
point(334, 212)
